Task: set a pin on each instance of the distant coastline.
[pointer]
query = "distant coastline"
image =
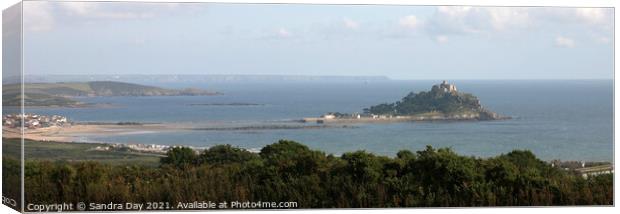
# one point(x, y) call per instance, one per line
point(61, 94)
point(169, 78)
point(226, 104)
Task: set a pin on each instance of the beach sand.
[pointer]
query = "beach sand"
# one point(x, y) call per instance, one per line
point(82, 132)
point(75, 133)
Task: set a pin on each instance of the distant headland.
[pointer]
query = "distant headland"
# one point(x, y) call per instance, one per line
point(193, 78)
point(60, 94)
point(442, 102)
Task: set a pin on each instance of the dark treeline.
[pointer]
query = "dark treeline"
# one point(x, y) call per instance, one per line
point(289, 171)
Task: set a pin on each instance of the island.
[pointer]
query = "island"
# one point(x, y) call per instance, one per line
point(60, 94)
point(442, 102)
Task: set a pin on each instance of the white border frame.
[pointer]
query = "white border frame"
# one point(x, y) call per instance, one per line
point(558, 3)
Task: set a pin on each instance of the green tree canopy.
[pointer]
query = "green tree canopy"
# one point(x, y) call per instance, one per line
point(180, 157)
point(226, 154)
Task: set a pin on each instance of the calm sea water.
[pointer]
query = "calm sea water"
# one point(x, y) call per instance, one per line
point(568, 120)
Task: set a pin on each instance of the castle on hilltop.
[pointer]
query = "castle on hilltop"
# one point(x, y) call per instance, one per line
point(445, 87)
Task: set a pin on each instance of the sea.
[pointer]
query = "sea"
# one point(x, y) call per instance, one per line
point(555, 119)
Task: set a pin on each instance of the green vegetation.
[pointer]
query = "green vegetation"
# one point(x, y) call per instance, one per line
point(75, 152)
point(432, 101)
point(11, 176)
point(37, 99)
point(289, 171)
point(436, 102)
point(58, 94)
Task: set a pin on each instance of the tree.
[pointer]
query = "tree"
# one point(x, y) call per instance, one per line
point(290, 171)
point(180, 157)
point(291, 157)
point(226, 154)
point(429, 101)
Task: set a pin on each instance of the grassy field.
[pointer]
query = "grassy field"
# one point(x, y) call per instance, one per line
point(73, 152)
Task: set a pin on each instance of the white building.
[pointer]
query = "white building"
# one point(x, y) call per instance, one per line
point(446, 87)
point(328, 116)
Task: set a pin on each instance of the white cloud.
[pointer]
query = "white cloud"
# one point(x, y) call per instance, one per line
point(38, 16)
point(564, 42)
point(350, 24)
point(96, 10)
point(441, 39)
point(467, 20)
point(591, 15)
point(592, 18)
point(454, 11)
point(503, 18)
point(138, 41)
point(602, 39)
point(473, 20)
point(284, 33)
point(42, 15)
point(410, 22)
point(458, 20)
point(79, 8)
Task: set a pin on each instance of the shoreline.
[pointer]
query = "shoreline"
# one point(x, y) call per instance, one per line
point(78, 132)
point(72, 133)
point(158, 150)
point(397, 119)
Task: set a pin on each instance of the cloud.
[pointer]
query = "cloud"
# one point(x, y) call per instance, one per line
point(79, 8)
point(410, 22)
point(43, 15)
point(457, 20)
point(350, 24)
point(474, 20)
point(37, 16)
point(602, 39)
point(98, 10)
point(441, 39)
point(284, 33)
point(592, 15)
point(564, 42)
point(455, 11)
point(467, 20)
point(503, 18)
point(138, 41)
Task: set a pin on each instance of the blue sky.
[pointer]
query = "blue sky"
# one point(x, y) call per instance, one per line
point(401, 42)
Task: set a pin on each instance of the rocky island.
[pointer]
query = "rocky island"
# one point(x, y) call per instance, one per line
point(442, 102)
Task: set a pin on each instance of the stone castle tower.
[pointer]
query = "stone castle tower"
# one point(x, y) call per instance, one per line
point(445, 87)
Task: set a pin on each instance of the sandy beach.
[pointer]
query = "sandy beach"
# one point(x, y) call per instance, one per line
point(75, 133)
point(81, 132)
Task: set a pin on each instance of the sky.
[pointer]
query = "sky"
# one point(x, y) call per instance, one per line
point(400, 42)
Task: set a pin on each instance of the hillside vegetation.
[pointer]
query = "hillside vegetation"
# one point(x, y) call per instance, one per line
point(62, 151)
point(59, 94)
point(435, 102)
point(290, 171)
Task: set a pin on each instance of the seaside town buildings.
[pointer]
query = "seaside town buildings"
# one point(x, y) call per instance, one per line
point(585, 169)
point(146, 148)
point(33, 121)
